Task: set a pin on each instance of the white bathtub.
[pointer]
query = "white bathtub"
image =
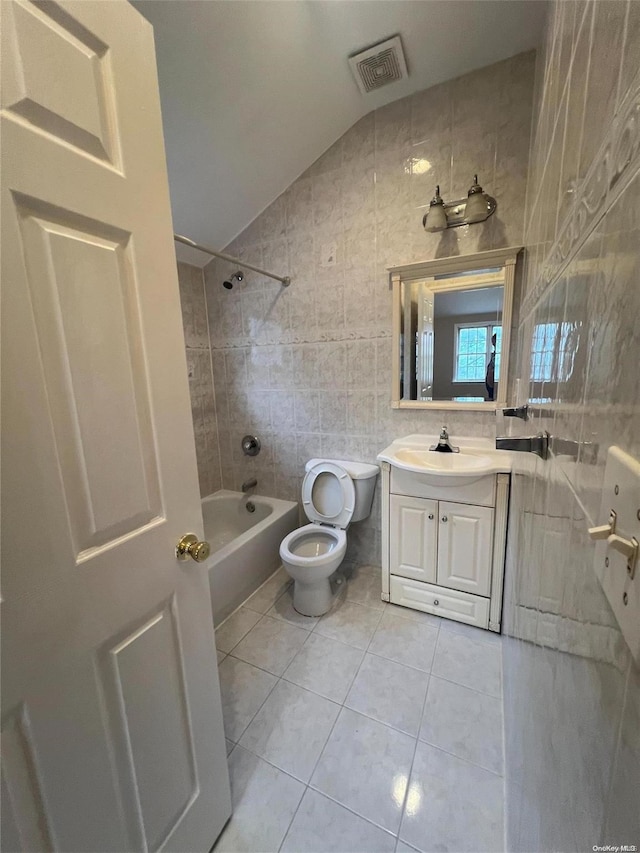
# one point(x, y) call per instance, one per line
point(245, 545)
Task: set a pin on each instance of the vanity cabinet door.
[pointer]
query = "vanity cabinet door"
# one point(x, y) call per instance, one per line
point(413, 537)
point(465, 536)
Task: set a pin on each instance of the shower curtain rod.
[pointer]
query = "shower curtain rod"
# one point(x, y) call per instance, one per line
point(285, 280)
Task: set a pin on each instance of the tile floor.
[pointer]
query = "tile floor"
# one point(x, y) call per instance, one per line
point(373, 728)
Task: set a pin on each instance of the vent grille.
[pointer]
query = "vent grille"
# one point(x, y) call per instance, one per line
point(379, 65)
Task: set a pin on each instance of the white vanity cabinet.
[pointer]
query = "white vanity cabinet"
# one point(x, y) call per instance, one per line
point(443, 547)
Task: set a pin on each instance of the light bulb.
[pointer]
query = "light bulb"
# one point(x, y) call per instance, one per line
point(476, 209)
point(436, 218)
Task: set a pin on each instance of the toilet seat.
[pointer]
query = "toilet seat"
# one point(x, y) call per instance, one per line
point(292, 547)
point(328, 495)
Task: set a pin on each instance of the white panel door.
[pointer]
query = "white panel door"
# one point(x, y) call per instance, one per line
point(112, 733)
point(413, 538)
point(465, 545)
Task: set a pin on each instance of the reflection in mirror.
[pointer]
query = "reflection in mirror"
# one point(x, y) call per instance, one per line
point(452, 322)
point(558, 348)
point(451, 336)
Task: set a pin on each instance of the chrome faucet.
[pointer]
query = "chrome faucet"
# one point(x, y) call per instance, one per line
point(249, 484)
point(444, 445)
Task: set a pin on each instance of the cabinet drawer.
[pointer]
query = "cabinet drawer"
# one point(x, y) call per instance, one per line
point(461, 606)
point(481, 493)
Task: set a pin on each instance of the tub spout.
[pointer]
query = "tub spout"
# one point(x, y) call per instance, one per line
point(249, 484)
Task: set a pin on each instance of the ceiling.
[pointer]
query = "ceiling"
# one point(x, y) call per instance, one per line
point(479, 300)
point(253, 91)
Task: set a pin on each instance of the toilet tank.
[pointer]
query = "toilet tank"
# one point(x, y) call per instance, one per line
point(364, 478)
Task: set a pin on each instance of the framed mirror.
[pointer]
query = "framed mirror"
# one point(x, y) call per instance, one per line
point(452, 331)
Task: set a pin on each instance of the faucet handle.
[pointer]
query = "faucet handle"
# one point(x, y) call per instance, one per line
point(444, 433)
point(251, 445)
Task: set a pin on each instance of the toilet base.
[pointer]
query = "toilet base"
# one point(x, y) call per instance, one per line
point(312, 599)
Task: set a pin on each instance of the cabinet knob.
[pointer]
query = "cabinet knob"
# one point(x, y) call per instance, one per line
point(436, 601)
point(444, 518)
point(430, 516)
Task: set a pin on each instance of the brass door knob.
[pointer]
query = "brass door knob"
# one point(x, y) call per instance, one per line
point(189, 546)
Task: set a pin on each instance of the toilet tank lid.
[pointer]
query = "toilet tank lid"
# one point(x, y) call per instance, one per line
point(356, 470)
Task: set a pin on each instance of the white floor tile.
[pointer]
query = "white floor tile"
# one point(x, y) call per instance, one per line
point(243, 688)
point(452, 805)
point(270, 591)
point(365, 586)
point(325, 666)
point(283, 609)
point(264, 802)
point(376, 658)
point(472, 632)
point(235, 628)
point(291, 729)
point(464, 722)
point(401, 847)
point(271, 645)
point(468, 662)
point(322, 826)
point(365, 766)
point(415, 615)
point(390, 693)
point(405, 641)
point(349, 623)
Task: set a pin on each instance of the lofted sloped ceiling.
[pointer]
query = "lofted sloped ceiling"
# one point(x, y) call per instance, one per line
point(253, 91)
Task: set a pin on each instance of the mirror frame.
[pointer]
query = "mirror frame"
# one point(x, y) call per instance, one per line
point(505, 258)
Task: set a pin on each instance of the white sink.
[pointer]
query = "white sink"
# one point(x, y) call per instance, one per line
point(477, 458)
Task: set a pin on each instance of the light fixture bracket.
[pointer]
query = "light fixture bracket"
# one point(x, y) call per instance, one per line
point(455, 212)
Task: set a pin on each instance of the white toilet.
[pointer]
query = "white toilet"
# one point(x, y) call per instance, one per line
point(334, 494)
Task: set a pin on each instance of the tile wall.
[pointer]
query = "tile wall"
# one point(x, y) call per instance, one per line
point(572, 692)
point(203, 404)
point(308, 368)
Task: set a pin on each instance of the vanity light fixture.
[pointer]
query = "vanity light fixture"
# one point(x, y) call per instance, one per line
point(436, 217)
point(477, 207)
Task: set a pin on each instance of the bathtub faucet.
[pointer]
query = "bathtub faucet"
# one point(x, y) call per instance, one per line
point(249, 484)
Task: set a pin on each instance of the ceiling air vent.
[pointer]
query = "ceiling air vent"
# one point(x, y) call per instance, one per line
point(378, 65)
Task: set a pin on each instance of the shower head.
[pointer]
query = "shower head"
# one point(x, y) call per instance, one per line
point(237, 276)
